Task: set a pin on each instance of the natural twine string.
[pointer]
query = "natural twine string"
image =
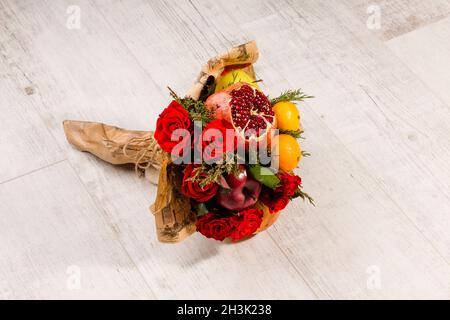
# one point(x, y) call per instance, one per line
point(144, 152)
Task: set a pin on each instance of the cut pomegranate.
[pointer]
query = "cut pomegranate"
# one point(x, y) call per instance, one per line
point(246, 108)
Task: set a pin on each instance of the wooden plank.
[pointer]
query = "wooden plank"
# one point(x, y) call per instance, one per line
point(334, 250)
point(88, 74)
point(400, 16)
point(355, 232)
point(55, 243)
point(372, 155)
point(426, 52)
point(25, 142)
point(123, 93)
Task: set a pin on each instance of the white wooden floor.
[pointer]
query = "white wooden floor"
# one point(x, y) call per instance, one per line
point(379, 133)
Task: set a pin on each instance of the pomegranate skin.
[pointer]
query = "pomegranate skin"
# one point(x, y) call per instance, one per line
point(243, 193)
point(219, 102)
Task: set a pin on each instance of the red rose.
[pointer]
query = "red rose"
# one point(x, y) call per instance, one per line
point(246, 223)
point(215, 140)
point(212, 225)
point(275, 202)
point(289, 184)
point(192, 189)
point(277, 199)
point(173, 117)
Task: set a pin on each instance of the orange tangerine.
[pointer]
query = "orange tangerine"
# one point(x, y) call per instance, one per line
point(286, 152)
point(287, 115)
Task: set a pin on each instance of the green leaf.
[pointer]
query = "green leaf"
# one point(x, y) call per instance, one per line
point(264, 175)
point(201, 209)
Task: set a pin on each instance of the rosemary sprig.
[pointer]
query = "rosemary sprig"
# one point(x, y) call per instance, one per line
point(196, 108)
point(291, 95)
point(297, 134)
point(304, 196)
point(206, 174)
point(305, 154)
point(197, 111)
point(174, 95)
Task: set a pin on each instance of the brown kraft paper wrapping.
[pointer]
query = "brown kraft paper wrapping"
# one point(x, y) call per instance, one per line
point(175, 220)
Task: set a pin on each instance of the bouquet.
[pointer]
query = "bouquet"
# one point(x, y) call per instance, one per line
point(225, 152)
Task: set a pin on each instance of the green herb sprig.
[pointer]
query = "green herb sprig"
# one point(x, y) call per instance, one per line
point(304, 196)
point(206, 174)
point(297, 134)
point(291, 95)
point(196, 108)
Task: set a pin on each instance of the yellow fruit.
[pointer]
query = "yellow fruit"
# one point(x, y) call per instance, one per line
point(286, 152)
point(232, 77)
point(288, 116)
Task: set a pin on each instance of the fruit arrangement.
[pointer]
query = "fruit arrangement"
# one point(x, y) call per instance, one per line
point(232, 191)
point(226, 152)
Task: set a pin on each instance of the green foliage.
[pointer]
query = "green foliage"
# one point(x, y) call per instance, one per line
point(206, 174)
point(290, 95)
point(304, 196)
point(297, 134)
point(201, 209)
point(264, 175)
point(306, 154)
point(196, 108)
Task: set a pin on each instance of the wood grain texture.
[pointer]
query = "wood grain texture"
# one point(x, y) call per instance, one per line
point(426, 52)
point(400, 17)
point(186, 270)
point(50, 226)
point(393, 125)
point(377, 131)
point(275, 31)
point(25, 141)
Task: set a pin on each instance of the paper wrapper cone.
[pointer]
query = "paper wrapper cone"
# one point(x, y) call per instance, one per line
point(114, 145)
point(175, 219)
point(244, 54)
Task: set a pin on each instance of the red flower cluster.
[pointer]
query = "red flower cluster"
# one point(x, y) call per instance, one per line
point(214, 139)
point(192, 189)
point(218, 138)
point(213, 225)
point(246, 223)
point(172, 118)
point(238, 227)
point(277, 199)
point(289, 184)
